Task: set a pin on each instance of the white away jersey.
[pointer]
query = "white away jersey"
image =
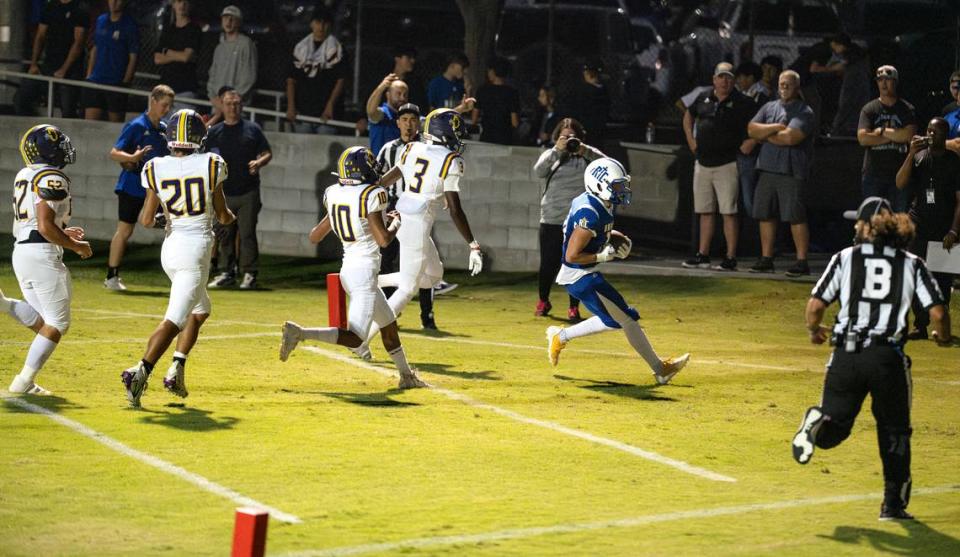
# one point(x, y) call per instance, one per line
point(428, 172)
point(185, 186)
point(348, 207)
point(35, 184)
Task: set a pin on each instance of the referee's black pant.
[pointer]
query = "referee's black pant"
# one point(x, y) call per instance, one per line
point(884, 372)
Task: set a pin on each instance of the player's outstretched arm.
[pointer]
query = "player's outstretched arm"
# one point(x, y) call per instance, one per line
point(320, 231)
point(48, 228)
point(224, 215)
point(381, 233)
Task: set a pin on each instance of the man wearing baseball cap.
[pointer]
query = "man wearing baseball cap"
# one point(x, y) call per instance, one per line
point(234, 61)
point(887, 124)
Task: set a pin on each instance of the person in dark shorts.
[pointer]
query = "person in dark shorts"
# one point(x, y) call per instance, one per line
point(113, 61)
point(141, 139)
point(874, 281)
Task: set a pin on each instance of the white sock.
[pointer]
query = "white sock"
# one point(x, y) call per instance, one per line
point(635, 336)
point(586, 327)
point(323, 334)
point(39, 353)
point(19, 310)
point(399, 358)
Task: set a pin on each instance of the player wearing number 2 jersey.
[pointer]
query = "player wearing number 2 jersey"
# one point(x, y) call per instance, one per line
point(874, 281)
point(355, 214)
point(187, 187)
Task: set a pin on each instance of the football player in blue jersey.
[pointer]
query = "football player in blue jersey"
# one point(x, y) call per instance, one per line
point(589, 239)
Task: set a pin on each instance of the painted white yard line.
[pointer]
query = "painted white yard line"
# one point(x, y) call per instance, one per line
point(111, 314)
point(150, 460)
point(140, 340)
point(627, 448)
point(522, 533)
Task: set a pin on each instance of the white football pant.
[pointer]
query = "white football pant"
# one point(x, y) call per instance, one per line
point(186, 260)
point(368, 305)
point(45, 282)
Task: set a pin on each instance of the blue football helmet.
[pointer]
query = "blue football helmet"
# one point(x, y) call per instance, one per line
point(47, 144)
point(357, 165)
point(444, 126)
point(186, 130)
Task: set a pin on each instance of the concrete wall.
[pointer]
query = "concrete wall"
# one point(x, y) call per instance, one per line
point(500, 193)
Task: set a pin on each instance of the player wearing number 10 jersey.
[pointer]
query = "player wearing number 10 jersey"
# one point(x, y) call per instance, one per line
point(355, 214)
point(187, 187)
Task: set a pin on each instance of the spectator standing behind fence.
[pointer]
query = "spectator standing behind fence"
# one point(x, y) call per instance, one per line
point(60, 39)
point(785, 128)
point(234, 62)
point(716, 129)
point(317, 75)
point(113, 61)
point(749, 76)
point(176, 54)
point(887, 124)
point(561, 169)
point(383, 116)
point(849, 61)
point(951, 113)
point(547, 116)
point(931, 175)
point(590, 102)
point(140, 140)
point(404, 63)
point(243, 146)
point(448, 89)
point(498, 105)
point(771, 66)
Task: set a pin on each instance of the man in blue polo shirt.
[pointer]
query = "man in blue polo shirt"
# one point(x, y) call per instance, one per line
point(141, 139)
point(113, 61)
point(383, 117)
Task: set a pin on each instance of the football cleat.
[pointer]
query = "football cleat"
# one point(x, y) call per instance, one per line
point(21, 387)
point(135, 380)
point(554, 345)
point(115, 284)
point(806, 437)
point(444, 287)
point(289, 337)
point(174, 381)
point(362, 352)
point(411, 381)
point(671, 367)
point(222, 280)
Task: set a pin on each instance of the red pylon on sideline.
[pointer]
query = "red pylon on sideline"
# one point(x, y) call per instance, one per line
point(250, 532)
point(336, 301)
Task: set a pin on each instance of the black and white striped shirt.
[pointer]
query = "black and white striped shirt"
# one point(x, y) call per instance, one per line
point(875, 287)
point(388, 157)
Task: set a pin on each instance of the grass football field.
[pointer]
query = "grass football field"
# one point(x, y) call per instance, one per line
point(505, 455)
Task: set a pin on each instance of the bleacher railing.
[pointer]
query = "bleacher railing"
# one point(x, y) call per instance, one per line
point(253, 112)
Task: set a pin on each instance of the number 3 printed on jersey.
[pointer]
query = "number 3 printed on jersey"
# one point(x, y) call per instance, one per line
point(422, 166)
point(191, 191)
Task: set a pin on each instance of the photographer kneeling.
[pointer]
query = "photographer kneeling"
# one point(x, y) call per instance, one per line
point(561, 168)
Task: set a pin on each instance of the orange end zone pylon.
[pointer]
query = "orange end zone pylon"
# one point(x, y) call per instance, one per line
point(250, 533)
point(336, 301)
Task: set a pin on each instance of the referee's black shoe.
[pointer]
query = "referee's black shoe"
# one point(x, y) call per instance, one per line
point(887, 513)
point(806, 437)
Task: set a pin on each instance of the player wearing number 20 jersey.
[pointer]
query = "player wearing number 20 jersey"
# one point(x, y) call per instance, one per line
point(187, 187)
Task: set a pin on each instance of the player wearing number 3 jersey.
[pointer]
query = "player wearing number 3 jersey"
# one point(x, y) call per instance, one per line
point(187, 187)
point(355, 214)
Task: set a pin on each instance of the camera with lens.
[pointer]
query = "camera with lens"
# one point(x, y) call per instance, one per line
point(573, 145)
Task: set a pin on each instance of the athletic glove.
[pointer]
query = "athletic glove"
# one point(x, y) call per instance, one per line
point(606, 254)
point(624, 250)
point(395, 223)
point(160, 220)
point(475, 263)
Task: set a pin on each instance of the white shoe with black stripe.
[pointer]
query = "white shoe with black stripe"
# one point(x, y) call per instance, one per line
point(805, 440)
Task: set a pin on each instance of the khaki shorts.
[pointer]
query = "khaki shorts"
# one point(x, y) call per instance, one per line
point(713, 186)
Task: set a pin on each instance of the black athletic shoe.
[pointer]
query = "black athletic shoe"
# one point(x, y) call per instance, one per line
point(799, 269)
point(428, 323)
point(806, 437)
point(728, 264)
point(887, 513)
point(763, 265)
point(698, 261)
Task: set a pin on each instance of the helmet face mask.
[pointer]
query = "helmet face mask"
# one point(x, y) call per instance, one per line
point(356, 166)
point(445, 126)
point(606, 179)
point(47, 144)
point(186, 131)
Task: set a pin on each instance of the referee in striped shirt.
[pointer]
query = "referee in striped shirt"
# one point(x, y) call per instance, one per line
point(874, 282)
point(408, 120)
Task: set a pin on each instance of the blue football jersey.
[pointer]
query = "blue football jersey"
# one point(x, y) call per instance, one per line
point(588, 212)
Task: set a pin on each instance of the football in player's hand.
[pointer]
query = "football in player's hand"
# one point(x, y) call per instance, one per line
point(621, 244)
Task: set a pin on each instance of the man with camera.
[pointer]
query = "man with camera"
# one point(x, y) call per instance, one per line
point(930, 174)
point(561, 167)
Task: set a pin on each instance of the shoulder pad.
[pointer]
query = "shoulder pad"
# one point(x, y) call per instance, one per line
point(51, 185)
